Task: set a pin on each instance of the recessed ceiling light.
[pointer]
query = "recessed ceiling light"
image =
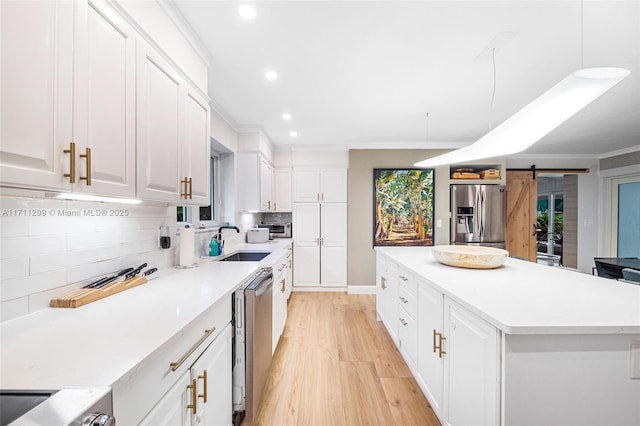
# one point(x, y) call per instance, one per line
point(286, 116)
point(293, 134)
point(247, 11)
point(271, 75)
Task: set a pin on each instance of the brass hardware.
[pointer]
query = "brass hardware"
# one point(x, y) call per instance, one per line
point(283, 285)
point(434, 340)
point(441, 352)
point(318, 196)
point(403, 321)
point(87, 156)
point(275, 209)
point(403, 299)
point(190, 195)
point(403, 278)
point(269, 205)
point(322, 196)
point(184, 193)
point(203, 395)
point(383, 284)
point(281, 268)
point(72, 162)
point(194, 396)
point(175, 365)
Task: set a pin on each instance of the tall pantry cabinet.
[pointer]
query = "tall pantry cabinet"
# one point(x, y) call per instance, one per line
point(320, 227)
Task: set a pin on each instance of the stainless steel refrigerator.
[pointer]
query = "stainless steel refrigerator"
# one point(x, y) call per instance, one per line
point(479, 215)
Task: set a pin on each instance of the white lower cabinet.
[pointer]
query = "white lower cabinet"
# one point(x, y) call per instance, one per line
point(472, 368)
point(453, 354)
point(279, 312)
point(211, 376)
point(202, 394)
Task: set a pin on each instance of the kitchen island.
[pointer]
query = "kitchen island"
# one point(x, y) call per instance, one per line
point(128, 341)
point(522, 344)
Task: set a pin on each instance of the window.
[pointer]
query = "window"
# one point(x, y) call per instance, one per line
point(205, 215)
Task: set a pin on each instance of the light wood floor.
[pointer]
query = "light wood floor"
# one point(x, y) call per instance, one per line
point(336, 365)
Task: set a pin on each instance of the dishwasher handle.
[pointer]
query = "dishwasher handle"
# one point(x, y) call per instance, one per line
point(264, 286)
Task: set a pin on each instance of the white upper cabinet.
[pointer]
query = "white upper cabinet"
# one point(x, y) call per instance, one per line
point(83, 112)
point(333, 185)
point(282, 190)
point(159, 96)
point(314, 184)
point(195, 152)
point(255, 182)
point(37, 90)
point(104, 101)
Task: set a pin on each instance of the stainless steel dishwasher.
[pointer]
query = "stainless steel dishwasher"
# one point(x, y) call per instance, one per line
point(252, 319)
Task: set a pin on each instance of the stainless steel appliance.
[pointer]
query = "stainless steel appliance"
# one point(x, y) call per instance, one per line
point(479, 215)
point(252, 320)
point(278, 230)
point(72, 406)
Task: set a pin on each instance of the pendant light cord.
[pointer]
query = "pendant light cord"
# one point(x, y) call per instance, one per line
point(493, 94)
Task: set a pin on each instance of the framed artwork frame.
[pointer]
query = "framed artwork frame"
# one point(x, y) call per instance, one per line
point(403, 207)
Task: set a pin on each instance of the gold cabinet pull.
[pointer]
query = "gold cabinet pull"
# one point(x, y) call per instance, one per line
point(403, 299)
point(440, 351)
point(175, 365)
point(203, 395)
point(283, 284)
point(194, 396)
point(87, 156)
point(403, 278)
point(185, 192)
point(403, 321)
point(190, 194)
point(72, 162)
point(435, 346)
point(383, 283)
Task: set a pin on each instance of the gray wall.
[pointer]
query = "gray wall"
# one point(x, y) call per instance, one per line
point(629, 159)
point(361, 257)
point(570, 216)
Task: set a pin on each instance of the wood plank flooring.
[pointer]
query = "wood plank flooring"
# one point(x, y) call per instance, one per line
point(336, 365)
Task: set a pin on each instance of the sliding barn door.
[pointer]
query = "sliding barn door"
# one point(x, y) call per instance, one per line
point(522, 195)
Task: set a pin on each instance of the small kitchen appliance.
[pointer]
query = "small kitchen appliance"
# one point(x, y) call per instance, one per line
point(257, 235)
point(277, 230)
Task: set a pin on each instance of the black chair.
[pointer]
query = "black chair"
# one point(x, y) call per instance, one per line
point(633, 275)
point(605, 272)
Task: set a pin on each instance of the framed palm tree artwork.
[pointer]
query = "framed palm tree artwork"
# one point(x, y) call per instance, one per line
point(403, 207)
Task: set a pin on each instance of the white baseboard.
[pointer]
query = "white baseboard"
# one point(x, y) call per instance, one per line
point(362, 289)
point(320, 289)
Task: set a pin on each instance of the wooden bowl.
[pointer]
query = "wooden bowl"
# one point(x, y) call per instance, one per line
point(472, 257)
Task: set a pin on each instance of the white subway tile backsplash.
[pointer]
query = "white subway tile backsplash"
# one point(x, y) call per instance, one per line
point(26, 246)
point(14, 227)
point(43, 257)
point(24, 286)
point(14, 267)
point(14, 308)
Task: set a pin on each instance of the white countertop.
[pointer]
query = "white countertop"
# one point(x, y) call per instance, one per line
point(96, 344)
point(526, 298)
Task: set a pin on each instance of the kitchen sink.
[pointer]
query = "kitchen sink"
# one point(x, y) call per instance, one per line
point(246, 256)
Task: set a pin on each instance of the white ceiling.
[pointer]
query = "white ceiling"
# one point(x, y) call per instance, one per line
point(366, 73)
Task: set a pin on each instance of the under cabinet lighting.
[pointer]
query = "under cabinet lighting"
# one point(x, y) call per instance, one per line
point(293, 134)
point(537, 119)
point(286, 116)
point(85, 197)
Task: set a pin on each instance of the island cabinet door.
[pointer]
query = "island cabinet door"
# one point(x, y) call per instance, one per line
point(382, 277)
point(430, 352)
point(172, 408)
point(471, 368)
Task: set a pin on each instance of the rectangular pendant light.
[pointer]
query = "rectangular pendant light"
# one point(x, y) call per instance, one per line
point(537, 119)
point(86, 197)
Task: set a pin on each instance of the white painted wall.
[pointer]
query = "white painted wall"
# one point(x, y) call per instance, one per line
point(589, 197)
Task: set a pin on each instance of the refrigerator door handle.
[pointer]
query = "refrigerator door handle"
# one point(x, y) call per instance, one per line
point(483, 198)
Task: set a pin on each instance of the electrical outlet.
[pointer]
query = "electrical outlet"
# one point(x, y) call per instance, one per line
point(438, 223)
point(634, 363)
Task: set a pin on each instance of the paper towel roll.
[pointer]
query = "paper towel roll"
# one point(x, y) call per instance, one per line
point(187, 246)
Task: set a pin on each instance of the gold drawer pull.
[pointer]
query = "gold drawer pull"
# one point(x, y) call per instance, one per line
point(383, 281)
point(87, 156)
point(435, 346)
point(403, 321)
point(403, 278)
point(72, 162)
point(441, 352)
point(403, 299)
point(194, 396)
point(175, 365)
point(203, 395)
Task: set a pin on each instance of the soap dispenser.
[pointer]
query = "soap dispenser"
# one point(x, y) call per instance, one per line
point(213, 247)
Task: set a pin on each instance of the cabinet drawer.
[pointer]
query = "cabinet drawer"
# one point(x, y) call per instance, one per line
point(407, 281)
point(137, 393)
point(408, 302)
point(407, 338)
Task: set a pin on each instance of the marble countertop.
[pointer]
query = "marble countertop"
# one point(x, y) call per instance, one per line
point(96, 344)
point(526, 298)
